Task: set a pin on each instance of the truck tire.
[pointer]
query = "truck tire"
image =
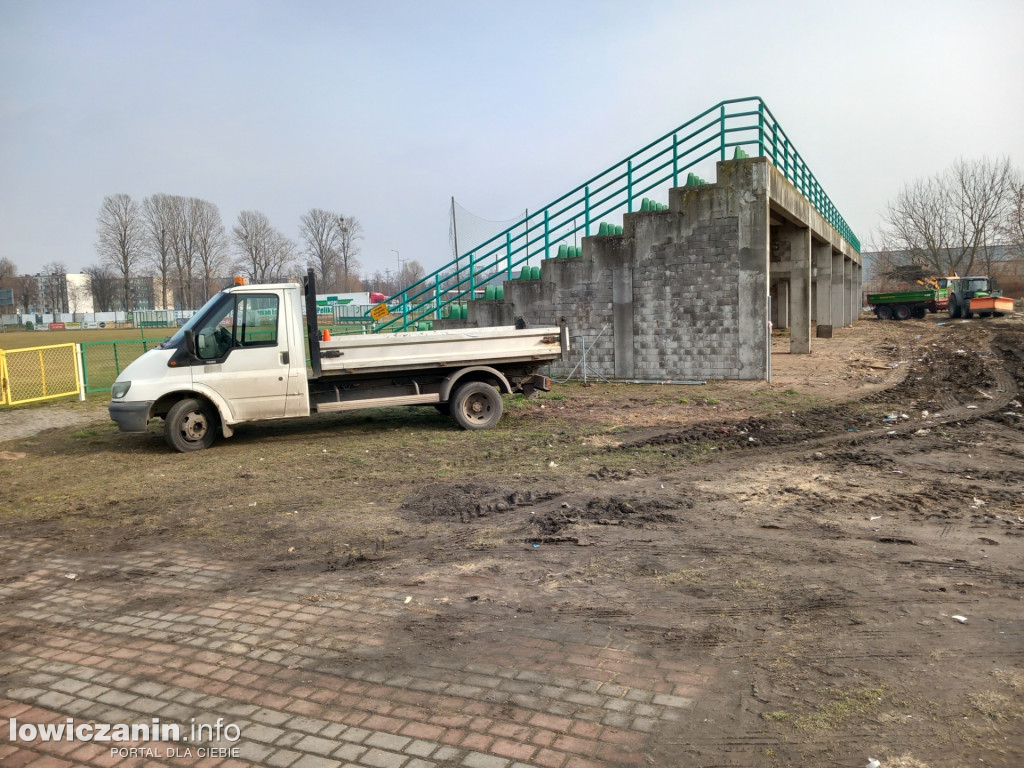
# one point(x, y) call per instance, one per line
point(901, 312)
point(476, 405)
point(954, 308)
point(883, 312)
point(920, 312)
point(191, 425)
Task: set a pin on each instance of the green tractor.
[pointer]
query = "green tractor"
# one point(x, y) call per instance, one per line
point(977, 295)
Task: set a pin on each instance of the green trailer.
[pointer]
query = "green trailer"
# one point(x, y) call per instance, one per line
point(902, 305)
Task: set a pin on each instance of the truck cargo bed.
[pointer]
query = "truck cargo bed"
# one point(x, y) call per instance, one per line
point(902, 297)
point(439, 349)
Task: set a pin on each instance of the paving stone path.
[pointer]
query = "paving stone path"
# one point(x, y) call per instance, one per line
point(310, 673)
point(16, 423)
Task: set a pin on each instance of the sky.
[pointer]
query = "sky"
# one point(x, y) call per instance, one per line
point(385, 111)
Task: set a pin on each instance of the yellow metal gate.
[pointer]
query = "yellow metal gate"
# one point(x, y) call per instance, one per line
point(38, 373)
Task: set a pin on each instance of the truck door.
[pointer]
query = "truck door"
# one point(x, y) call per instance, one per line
point(244, 354)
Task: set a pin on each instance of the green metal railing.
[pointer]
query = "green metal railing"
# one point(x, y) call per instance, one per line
point(745, 126)
point(102, 361)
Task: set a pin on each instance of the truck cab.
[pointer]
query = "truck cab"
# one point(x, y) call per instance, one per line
point(242, 354)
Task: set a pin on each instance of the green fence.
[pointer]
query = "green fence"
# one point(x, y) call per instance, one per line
point(740, 127)
point(102, 361)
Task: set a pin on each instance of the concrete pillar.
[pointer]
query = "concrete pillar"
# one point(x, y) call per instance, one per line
point(858, 290)
point(823, 284)
point(799, 239)
point(622, 312)
point(752, 306)
point(780, 304)
point(838, 294)
point(850, 294)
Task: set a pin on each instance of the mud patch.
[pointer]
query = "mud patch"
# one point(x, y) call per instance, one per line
point(630, 513)
point(469, 501)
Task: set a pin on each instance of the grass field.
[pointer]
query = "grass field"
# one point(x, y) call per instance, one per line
point(22, 339)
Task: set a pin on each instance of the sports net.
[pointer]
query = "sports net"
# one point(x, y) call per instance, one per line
point(466, 230)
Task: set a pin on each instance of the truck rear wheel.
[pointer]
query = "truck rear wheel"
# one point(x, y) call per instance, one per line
point(883, 312)
point(191, 425)
point(476, 405)
point(954, 308)
point(902, 312)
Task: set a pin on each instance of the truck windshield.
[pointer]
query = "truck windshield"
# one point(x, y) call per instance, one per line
point(193, 322)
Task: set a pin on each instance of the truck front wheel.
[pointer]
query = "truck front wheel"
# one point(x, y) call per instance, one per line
point(191, 425)
point(476, 405)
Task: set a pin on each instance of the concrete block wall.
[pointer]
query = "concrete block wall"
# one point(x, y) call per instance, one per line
point(685, 301)
point(681, 294)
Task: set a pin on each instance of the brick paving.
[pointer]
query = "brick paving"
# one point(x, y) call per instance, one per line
point(310, 671)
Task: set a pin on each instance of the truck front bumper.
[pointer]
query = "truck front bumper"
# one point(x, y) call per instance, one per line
point(130, 417)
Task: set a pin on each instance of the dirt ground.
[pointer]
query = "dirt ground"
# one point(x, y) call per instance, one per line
point(837, 557)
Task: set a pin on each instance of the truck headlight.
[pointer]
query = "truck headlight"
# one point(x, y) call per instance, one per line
point(120, 389)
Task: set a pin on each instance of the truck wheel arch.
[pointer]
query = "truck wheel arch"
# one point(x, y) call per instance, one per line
point(162, 406)
point(484, 373)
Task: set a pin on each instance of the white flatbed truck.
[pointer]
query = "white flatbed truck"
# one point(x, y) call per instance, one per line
point(242, 358)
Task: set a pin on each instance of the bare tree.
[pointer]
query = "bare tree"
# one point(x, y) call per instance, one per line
point(210, 242)
point(159, 221)
point(351, 232)
point(377, 282)
point(944, 222)
point(1012, 227)
point(411, 272)
point(103, 286)
point(8, 271)
point(53, 286)
point(284, 255)
point(183, 248)
point(26, 292)
point(321, 234)
point(120, 239)
point(264, 254)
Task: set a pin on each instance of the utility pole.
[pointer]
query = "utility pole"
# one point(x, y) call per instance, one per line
point(399, 259)
point(455, 236)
